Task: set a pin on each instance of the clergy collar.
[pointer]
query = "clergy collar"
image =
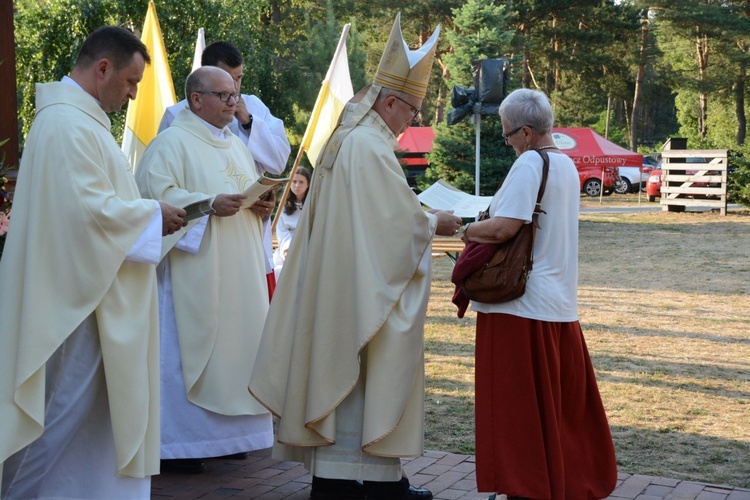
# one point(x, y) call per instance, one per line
point(218, 133)
point(70, 81)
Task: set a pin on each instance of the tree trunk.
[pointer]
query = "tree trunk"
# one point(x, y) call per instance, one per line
point(8, 102)
point(739, 94)
point(638, 94)
point(440, 102)
point(702, 48)
point(549, 81)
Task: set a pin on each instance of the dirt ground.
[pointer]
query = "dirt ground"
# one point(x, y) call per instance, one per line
point(664, 301)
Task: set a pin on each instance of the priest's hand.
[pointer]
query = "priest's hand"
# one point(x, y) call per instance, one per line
point(241, 112)
point(171, 218)
point(227, 204)
point(448, 223)
point(264, 208)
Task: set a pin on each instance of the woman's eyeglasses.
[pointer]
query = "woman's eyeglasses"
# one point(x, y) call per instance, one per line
point(514, 131)
point(223, 96)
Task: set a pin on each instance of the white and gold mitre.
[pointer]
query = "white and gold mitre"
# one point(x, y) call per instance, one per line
point(403, 69)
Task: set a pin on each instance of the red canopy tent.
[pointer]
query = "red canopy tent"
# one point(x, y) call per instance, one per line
point(587, 148)
point(414, 144)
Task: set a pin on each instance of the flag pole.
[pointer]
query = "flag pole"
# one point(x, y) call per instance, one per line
point(155, 94)
point(314, 116)
point(287, 188)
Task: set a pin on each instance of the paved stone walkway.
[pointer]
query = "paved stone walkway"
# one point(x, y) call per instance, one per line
point(449, 476)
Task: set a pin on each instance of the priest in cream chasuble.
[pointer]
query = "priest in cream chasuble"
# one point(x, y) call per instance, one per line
point(79, 351)
point(218, 290)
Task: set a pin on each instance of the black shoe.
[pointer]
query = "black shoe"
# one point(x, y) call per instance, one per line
point(183, 465)
point(395, 490)
point(336, 489)
point(417, 494)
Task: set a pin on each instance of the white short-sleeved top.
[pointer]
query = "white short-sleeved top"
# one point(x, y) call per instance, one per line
point(551, 292)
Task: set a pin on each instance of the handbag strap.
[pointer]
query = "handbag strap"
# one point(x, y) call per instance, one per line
point(538, 208)
point(545, 172)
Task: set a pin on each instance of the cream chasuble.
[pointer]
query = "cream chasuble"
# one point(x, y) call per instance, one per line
point(357, 274)
point(77, 212)
point(220, 294)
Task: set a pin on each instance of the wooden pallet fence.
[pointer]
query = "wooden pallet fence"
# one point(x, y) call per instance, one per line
point(687, 184)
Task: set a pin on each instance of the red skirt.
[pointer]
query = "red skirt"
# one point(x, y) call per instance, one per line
point(271, 281)
point(541, 429)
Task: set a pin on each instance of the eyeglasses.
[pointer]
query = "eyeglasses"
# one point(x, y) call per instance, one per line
point(514, 131)
point(223, 96)
point(416, 109)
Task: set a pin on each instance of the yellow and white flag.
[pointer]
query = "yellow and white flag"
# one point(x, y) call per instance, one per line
point(334, 94)
point(200, 46)
point(155, 94)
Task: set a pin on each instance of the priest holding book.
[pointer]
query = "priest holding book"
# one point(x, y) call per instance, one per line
point(212, 284)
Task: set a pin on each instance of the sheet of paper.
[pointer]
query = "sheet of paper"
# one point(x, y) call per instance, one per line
point(443, 196)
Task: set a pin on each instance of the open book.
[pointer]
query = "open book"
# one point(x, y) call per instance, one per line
point(260, 188)
point(198, 209)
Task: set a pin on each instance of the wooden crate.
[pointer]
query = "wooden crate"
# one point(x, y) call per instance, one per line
point(685, 184)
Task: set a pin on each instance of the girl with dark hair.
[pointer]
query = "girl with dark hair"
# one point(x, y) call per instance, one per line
point(289, 216)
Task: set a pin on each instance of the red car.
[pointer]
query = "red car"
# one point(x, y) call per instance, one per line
point(591, 179)
point(653, 185)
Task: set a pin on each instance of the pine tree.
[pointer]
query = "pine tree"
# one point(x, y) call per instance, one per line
point(480, 32)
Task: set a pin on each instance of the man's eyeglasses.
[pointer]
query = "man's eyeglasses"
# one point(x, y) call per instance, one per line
point(416, 109)
point(514, 131)
point(223, 96)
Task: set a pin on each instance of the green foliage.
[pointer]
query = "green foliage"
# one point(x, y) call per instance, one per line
point(687, 116)
point(581, 52)
point(48, 37)
point(453, 156)
point(285, 60)
point(616, 134)
point(313, 60)
point(479, 33)
point(738, 188)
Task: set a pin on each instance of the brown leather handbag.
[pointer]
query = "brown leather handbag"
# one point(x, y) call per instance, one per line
point(503, 277)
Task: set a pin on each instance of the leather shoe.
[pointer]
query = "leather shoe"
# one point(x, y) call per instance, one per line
point(416, 494)
point(336, 489)
point(183, 465)
point(395, 490)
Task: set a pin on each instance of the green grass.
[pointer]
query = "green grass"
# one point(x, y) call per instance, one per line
point(664, 301)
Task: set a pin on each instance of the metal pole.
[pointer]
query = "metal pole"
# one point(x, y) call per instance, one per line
point(478, 126)
point(640, 177)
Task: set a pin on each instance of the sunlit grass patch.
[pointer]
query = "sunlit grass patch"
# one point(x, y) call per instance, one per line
point(664, 301)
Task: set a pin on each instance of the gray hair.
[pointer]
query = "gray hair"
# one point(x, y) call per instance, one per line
point(199, 79)
point(386, 91)
point(195, 82)
point(528, 107)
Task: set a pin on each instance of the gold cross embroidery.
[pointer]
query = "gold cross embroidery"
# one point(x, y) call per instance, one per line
point(236, 176)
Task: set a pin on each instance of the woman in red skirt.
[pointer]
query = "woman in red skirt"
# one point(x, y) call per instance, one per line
point(541, 429)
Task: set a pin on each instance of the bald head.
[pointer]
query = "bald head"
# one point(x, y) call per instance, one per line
point(210, 94)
